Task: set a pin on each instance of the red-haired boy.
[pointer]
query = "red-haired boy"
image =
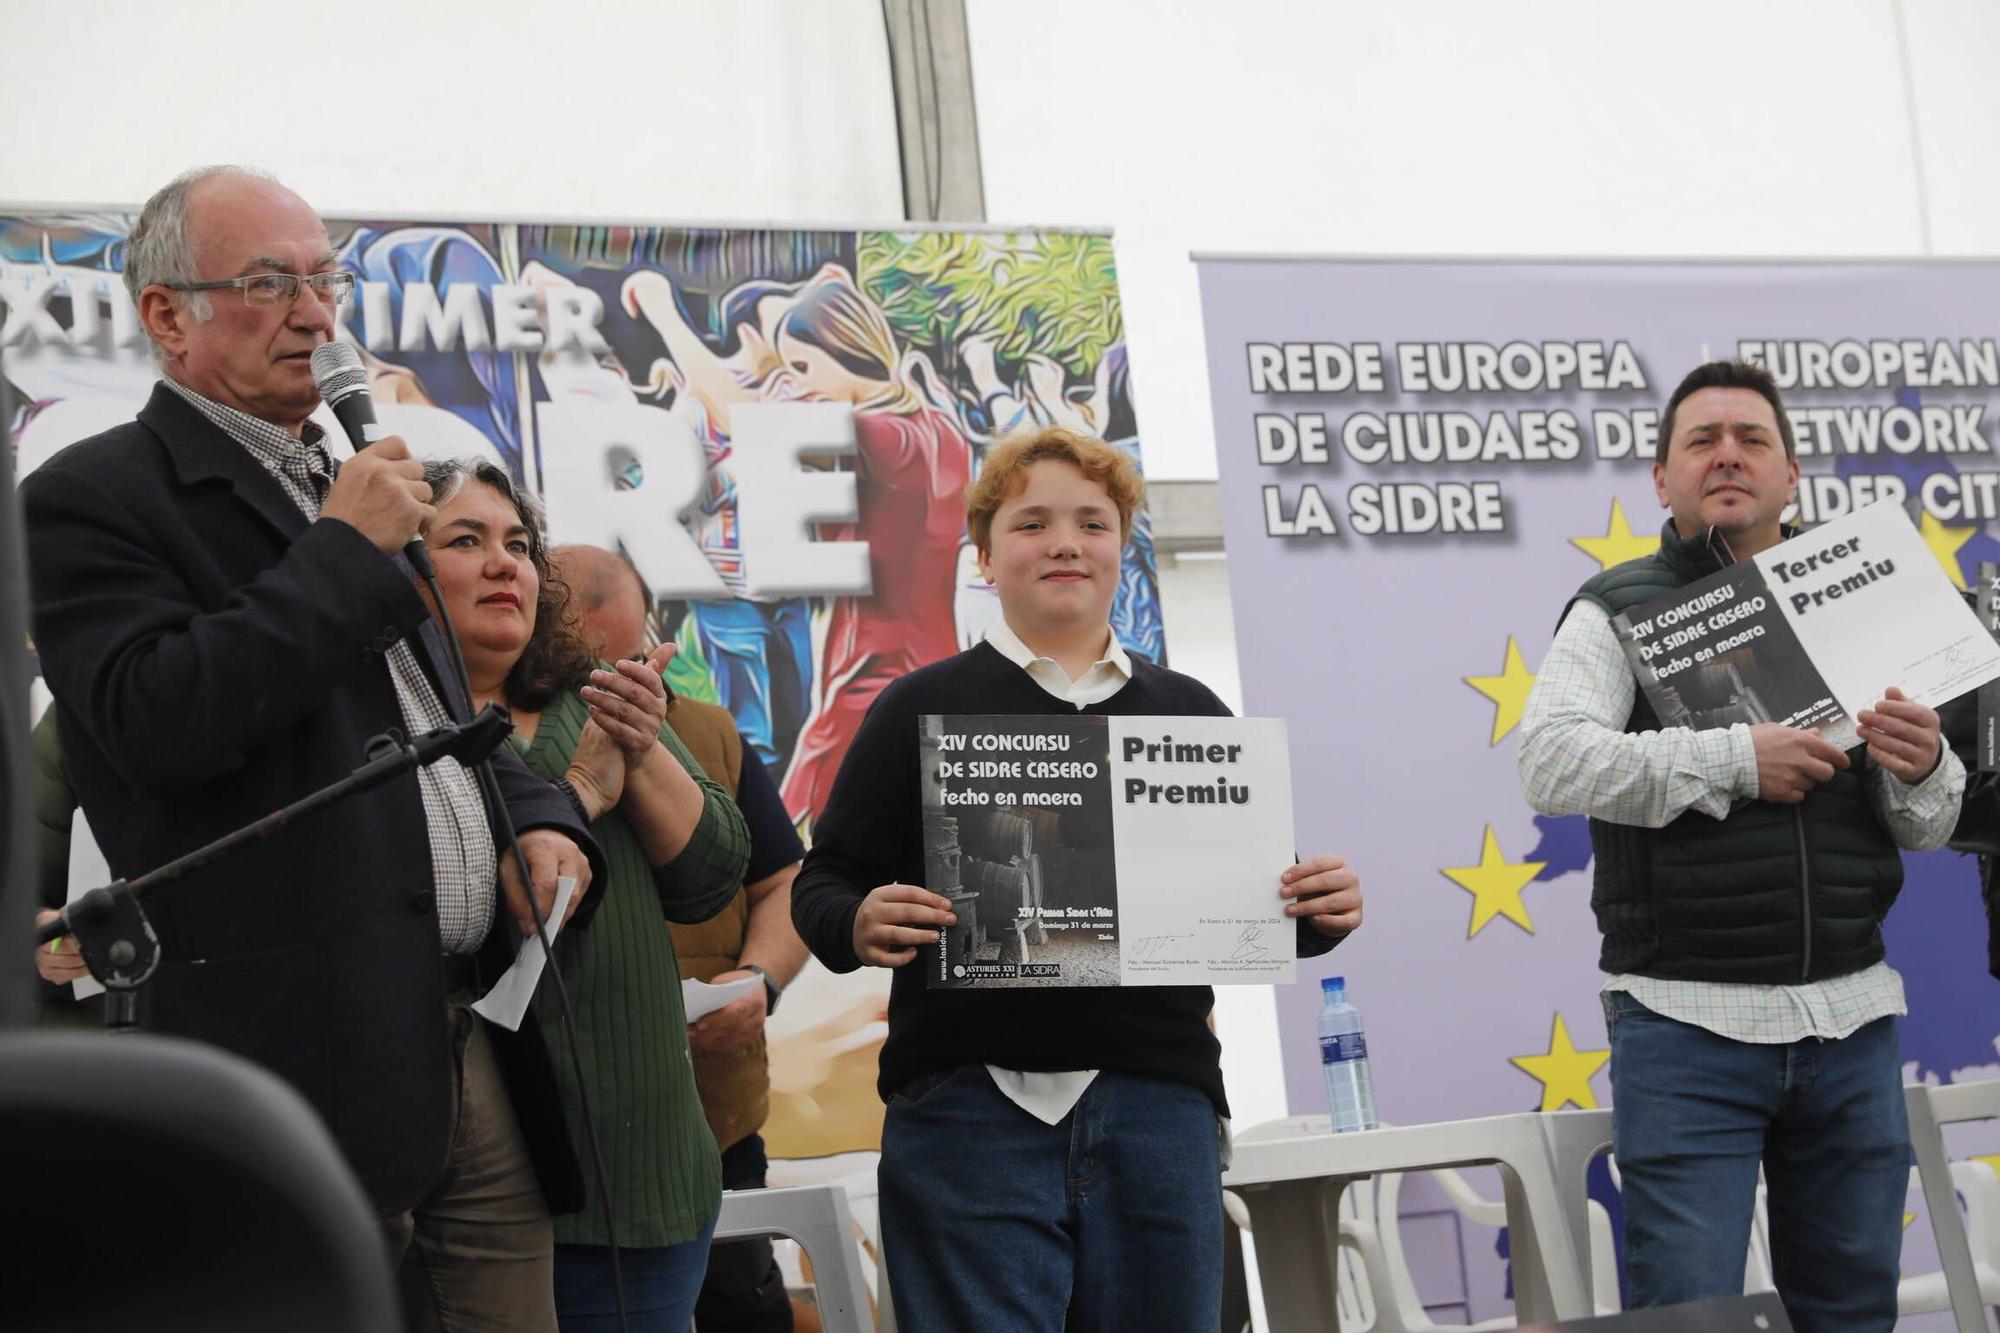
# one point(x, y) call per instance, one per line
point(1050, 1157)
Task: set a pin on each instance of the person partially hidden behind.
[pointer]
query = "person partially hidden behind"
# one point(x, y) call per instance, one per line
point(674, 844)
point(224, 620)
point(1978, 829)
point(1050, 1157)
point(1742, 874)
point(743, 1290)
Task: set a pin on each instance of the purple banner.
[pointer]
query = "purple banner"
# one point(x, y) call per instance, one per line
point(1420, 463)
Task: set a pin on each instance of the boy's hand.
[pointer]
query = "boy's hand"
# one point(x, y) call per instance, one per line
point(1326, 892)
point(894, 919)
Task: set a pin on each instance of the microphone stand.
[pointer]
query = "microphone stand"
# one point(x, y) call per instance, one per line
point(110, 927)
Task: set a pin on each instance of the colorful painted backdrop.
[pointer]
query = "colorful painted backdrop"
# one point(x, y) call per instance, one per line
point(777, 427)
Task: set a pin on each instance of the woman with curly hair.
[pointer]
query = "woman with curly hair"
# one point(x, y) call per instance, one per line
point(675, 846)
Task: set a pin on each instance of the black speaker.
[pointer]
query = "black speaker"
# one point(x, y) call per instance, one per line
point(165, 1185)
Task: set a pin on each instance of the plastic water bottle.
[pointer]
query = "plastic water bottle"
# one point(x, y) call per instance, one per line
point(1343, 1056)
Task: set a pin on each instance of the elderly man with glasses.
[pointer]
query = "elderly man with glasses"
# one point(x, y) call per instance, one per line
point(224, 620)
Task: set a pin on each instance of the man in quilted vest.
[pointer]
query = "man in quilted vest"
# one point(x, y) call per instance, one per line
point(1741, 875)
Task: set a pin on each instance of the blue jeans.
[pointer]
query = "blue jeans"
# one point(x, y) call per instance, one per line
point(1692, 1116)
point(661, 1284)
point(1110, 1219)
point(761, 654)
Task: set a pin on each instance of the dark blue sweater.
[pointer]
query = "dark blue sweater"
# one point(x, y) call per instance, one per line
point(872, 834)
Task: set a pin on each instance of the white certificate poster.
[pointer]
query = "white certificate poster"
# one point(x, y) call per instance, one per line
point(1083, 850)
point(1811, 632)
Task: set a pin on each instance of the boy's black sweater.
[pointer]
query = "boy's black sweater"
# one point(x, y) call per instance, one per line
point(872, 833)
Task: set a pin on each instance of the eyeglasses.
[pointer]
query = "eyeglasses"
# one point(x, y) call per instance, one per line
point(278, 288)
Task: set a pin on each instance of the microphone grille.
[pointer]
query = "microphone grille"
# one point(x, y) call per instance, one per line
point(338, 371)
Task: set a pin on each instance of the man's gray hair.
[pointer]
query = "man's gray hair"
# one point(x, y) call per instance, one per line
point(160, 250)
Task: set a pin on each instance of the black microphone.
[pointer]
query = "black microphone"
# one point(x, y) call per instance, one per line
point(343, 384)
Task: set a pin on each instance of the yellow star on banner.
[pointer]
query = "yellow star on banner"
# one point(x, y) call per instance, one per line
point(1564, 1071)
point(1944, 542)
point(1508, 690)
point(1495, 885)
point(1619, 543)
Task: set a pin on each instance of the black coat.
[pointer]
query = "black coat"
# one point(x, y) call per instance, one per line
point(214, 656)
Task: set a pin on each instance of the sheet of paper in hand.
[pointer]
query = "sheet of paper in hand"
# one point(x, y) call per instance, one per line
point(1811, 632)
point(507, 1003)
point(1082, 850)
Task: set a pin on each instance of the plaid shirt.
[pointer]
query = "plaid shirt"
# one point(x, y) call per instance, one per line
point(1577, 758)
point(462, 853)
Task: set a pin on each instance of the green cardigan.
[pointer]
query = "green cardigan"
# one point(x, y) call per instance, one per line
point(665, 1174)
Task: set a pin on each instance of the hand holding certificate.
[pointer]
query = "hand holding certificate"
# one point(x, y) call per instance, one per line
point(1104, 851)
point(1813, 633)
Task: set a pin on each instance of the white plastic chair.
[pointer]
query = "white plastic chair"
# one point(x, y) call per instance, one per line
point(854, 1172)
point(1409, 1308)
point(1474, 1207)
point(1287, 1179)
point(1361, 1277)
point(816, 1216)
point(1374, 1288)
point(1358, 1260)
point(1976, 1184)
point(1930, 1109)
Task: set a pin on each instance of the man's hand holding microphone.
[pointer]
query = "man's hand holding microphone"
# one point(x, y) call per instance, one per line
point(381, 493)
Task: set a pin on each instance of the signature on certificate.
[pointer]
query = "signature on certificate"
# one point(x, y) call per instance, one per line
point(1250, 944)
point(1152, 946)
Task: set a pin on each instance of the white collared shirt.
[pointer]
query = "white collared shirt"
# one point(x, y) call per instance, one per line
point(1049, 1097)
point(1105, 678)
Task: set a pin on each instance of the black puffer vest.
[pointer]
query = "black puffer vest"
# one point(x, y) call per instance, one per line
point(1770, 894)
